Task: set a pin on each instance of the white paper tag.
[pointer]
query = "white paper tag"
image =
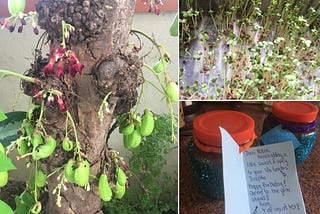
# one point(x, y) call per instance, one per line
point(261, 179)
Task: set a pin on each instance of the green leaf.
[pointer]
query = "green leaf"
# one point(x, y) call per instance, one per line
point(10, 126)
point(5, 163)
point(21, 207)
point(2, 116)
point(24, 203)
point(5, 208)
point(174, 26)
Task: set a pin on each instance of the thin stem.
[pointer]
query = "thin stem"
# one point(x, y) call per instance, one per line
point(140, 95)
point(104, 103)
point(149, 38)
point(63, 26)
point(153, 85)
point(156, 74)
point(156, 45)
point(35, 184)
point(78, 146)
point(66, 135)
point(23, 156)
point(56, 170)
point(41, 114)
point(6, 73)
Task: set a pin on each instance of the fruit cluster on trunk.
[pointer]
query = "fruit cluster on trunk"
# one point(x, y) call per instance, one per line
point(100, 42)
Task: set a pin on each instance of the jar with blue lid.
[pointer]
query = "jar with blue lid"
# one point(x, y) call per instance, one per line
point(205, 149)
point(294, 121)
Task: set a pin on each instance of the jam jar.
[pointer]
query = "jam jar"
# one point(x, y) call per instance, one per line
point(205, 149)
point(297, 118)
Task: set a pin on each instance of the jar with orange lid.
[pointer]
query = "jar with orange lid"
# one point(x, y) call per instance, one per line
point(294, 121)
point(205, 149)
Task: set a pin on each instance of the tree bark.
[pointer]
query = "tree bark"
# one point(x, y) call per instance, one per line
point(100, 42)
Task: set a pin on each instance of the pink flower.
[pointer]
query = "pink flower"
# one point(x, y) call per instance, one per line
point(37, 94)
point(125, 166)
point(59, 71)
point(58, 53)
point(11, 28)
point(23, 21)
point(35, 30)
point(4, 23)
point(20, 28)
point(49, 67)
point(156, 9)
point(72, 69)
point(75, 65)
point(50, 100)
point(61, 104)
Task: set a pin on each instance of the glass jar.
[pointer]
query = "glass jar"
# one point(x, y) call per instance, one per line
point(299, 118)
point(205, 149)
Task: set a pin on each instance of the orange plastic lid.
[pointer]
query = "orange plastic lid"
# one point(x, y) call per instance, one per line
point(215, 149)
point(295, 111)
point(206, 148)
point(239, 125)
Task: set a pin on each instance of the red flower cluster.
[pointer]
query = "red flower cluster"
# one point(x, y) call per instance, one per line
point(6, 23)
point(154, 4)
point(50, 96)
point(60, 56)
point(125, 165)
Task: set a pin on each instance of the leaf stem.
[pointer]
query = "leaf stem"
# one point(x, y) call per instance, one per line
point(6, 73)
point(78, 146)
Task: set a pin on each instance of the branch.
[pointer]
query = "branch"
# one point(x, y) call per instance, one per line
point(6, 73)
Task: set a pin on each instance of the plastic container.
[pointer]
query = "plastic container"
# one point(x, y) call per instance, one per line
point(205, 150)
point(299, 118)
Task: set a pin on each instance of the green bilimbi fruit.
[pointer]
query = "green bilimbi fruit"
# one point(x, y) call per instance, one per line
point(41, 178)
point(69, 171)
point(127, 130)
point(133, 140)
point(5, 208)
point(16, 6)
point(147, 123)
point(67, 144)
point(121, 177)
point(81, 174)
point(119, 191)
point(4, 176)
point(105, 191)
point(2, 148)
point(36, 140)
point(160, 65)
point(22, 146)
point(27, 128)
point(126, 141)
point(174, 26)
point(45, 150)
point(172, 91)
point(32, 183)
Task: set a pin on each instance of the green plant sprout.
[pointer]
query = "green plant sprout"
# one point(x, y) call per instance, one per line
point(255, 51)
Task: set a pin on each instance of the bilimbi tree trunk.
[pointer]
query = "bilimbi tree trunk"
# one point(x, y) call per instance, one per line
point(100, 42)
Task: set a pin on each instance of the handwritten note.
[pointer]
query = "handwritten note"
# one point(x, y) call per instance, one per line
point(269, 178)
